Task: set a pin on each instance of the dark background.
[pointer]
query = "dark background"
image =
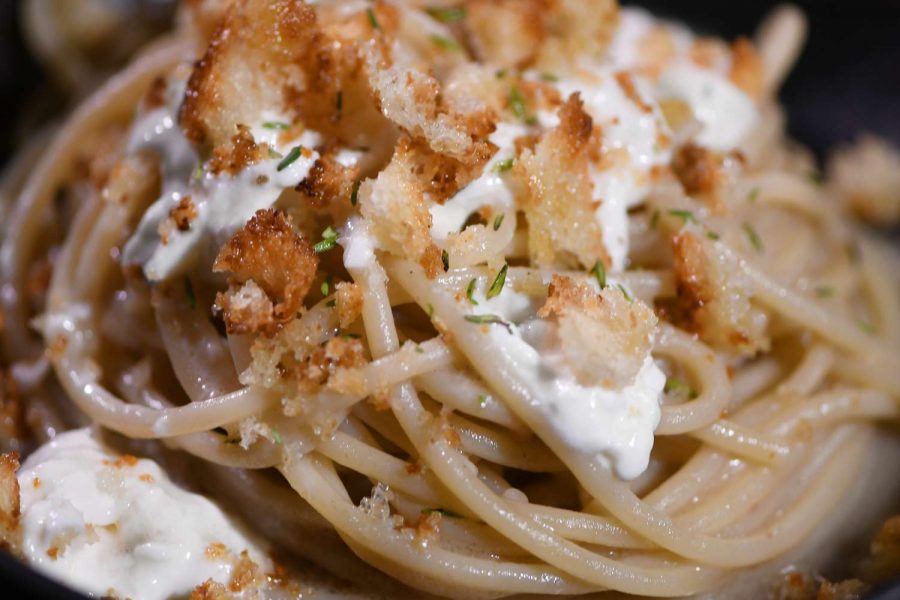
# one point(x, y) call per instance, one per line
point(847, 81)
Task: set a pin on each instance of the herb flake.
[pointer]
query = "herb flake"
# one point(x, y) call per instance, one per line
point(488, 320)
point(679, 387)
point(293, 155)
point(753, 237)
point(625, 292)
point(824, 291)
point(517, 102)
point(482, 400)
point(373, 20)
point(354, 194)
point(445, 260)
point(275, 125)
point(444, 42)
point(497, 285)
point(685, 215)
point(498, 221)
point(599, 272)
point(470, 290)
point(326, 286)
point(329, 241)
point(276, 436)
point(450, 14)
point(502, 166)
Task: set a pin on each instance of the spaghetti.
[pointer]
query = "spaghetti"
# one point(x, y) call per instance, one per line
point(484, 272)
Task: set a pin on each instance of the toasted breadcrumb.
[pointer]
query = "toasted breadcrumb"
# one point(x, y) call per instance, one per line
point(413, 101)
point(349, 301)
point(281, 263)
point(394, 205)
point(254, 56)
point(210, 590)
point(605, 337)
point(9, 502)
point(246, 573)
point(237, 153)
point(746, 67)
point(506, 33)
point(183, 214)
point(704, 173)
point(558, 199)
point(328, 180)
point(716, 303)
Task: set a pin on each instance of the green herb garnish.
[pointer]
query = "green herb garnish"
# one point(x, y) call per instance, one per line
point(450, 14)
point(624, 292)
point(443, 42)
point(753, 195)
point(498, 221)
point(354, 194)
point(497, 285)
point(517, 103)
point(373, 20)
point(276, 125)
point(549, 77)
point(420, 349)
point(276, 437)
point(654, 219)
point(326, 286)
point(445, 260)
point(816, 178)
point(274, 153)
point(712, 235)
point(488, 320)
point(599, 271)
point(685, 215)
point(866, 326)
point(293, 155)
point(470, 289)
point(824, 292)
point(482, 400)
point(502, 166)
point(674, 385)
point(429, 309)
point(329, 241)
point(753, 237)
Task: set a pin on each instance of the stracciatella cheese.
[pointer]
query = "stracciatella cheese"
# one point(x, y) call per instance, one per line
point(115, 525)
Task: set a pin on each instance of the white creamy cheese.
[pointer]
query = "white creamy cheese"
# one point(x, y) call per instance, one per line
point(616, 426)
point(121, 527)
point(489, 189)
point(724, 111)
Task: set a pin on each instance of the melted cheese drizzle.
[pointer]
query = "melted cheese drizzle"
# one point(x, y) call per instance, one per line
point(108, 526)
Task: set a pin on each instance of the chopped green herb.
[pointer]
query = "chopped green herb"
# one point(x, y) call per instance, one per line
point(866, 326)
point(500, 74)
point(373, 20)
point(420, 349)
point(450, 14)
point(599, 271)
point(329, 241)
point(498, 221)
point(624, 292)
point(488, 320)
point(824, 292)
point(198, 170)
point(753, 237)
point(753, 195)
point(497, 285)
point(429, 309)
point(482, 400)
point(351, 336)
point(445, 260)
point(189, 292)
point(816, 178)
point(502, 166)
point(654, 219)
point(354, 194)
point(470, 289)
point(276, 125)
point(276, 437)
point(517, 103)
point(273, 153)
point(445, 43)
point(531, 120)
point(443, 512)
point(549, 77)
point(685, 215)
point(293, 155)
point(674, 385)
point(712, 235)
point(326, 286)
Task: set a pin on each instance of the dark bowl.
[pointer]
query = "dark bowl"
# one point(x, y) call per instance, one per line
point(846, 82)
